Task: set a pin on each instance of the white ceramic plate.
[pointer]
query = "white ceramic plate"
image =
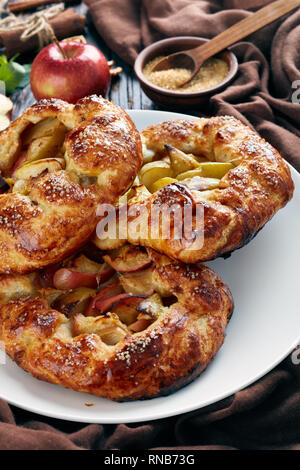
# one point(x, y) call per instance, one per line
point(265, 326)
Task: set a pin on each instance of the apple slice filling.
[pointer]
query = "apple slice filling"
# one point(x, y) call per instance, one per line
point(110, 329)
point(73, 302)
point(128, 259)
point(41, 148)
point(66, 278)
point(138, 283)
point(100, 300)
point(173, 166)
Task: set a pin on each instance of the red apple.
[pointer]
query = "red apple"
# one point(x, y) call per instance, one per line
point(82, 71)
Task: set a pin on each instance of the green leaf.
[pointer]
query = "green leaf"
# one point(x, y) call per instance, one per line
point(3, 60)
point(5, 72)
point(17, 73)
point(13, 74)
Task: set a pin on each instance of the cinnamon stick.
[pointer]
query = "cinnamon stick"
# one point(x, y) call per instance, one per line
point(65, 24)
point(15, 7)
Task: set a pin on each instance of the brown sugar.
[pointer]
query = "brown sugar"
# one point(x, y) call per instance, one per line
point(212, 72)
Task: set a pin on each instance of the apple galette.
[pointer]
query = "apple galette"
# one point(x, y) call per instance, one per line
point(218, 167)
point(60, 161)
point(128, 325)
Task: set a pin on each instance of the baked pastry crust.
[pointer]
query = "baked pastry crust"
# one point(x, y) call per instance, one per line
point(50, 215)
point(176, 347)
point(247, 197)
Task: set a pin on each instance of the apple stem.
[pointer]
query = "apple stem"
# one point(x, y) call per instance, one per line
point(55, 40)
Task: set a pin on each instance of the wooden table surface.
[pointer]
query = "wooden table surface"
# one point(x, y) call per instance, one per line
point(125, 89)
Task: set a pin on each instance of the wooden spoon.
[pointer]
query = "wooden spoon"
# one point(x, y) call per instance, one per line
point(194, 58)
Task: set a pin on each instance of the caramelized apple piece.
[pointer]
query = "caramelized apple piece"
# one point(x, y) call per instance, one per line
point(34, 169)
point(47, 274)
point(198, 183)
point(207, 170)
point(112, 335)
point(82, 272)
point(104, 305)
point(139, 194)
point(22, 159)
point(161, 183)
point(108, 291)
point(166, 159)
point(215, 169)
point(48, 146)
point(138, 283)
point(108, 327)
point(180, 161)
point(140, 325)
point(50, 294)
point(152, 306)
point(73, 302)
point(153, 171)
point(21, 187)
point(66, 278)
point(110, 303)
point(85, 265)
point(127, 309)
point(190, 174)
point(128, 259)
point(44, 128)
point(123, 305)
point(130, 193)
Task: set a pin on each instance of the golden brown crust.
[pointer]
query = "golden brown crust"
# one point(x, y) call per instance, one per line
point(168, 354)
point(248, 195)
point(48, 216)
point(51, 221)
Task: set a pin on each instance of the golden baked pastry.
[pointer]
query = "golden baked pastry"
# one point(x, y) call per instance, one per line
point(61, 161)
point(141, 334)
point(218, 167)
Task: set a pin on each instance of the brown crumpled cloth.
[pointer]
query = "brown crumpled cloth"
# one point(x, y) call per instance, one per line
point(269, 59)
point(266, 415)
